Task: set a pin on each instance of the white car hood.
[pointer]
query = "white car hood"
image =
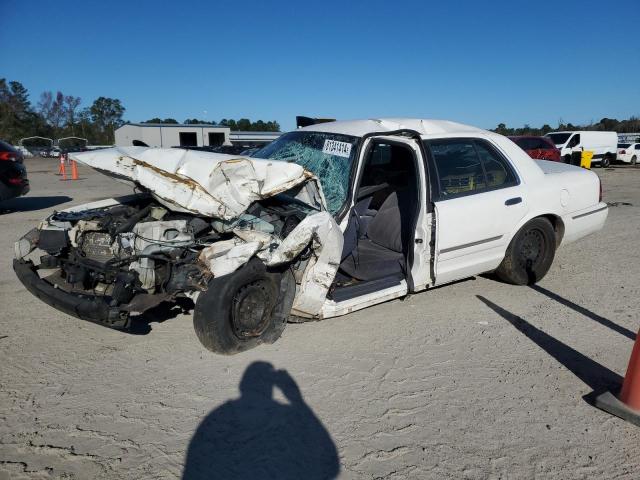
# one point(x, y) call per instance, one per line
point(203, 183)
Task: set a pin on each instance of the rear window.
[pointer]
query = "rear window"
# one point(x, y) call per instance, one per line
point(624, 145)
point(533, 143)
point(559, 138)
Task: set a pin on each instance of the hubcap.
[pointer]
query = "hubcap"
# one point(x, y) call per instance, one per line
point(531, 248)
point(251, 309)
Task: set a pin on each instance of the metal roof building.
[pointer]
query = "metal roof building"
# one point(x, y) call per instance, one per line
point(166, 135)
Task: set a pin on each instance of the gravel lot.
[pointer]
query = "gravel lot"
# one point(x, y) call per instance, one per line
point(474, 380)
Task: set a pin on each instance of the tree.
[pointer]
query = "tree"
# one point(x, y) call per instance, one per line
point(107, 113)
point(71, 105)
point(195, 121)
point(16, 115)
point(51, 107)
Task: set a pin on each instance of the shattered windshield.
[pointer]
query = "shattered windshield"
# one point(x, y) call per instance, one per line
point(328, 156)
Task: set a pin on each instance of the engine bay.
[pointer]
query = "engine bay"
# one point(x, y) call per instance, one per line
point(140, 253)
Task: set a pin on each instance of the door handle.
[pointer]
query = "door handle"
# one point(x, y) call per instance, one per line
point(513, 201)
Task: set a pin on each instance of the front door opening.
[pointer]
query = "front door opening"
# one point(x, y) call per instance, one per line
point(379, 235)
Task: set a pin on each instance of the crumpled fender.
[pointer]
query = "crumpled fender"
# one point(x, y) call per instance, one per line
point(326, 244)
point(318, 230)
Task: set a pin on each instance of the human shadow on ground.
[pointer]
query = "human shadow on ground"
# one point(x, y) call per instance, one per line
point(583, 311)
point(30, 204)
point(256, 436)
point(596, 376)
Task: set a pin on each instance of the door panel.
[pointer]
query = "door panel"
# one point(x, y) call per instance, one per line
point(479, 202)
point(473, 231)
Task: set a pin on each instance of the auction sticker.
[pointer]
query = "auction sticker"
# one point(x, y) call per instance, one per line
point(333, 147)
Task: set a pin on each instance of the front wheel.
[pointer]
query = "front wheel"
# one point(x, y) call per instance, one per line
point(241, 310)
point(530, 253)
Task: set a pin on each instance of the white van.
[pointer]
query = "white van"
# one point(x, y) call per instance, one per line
point(604, 145)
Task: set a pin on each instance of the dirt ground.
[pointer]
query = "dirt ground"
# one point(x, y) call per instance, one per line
point(473, 380)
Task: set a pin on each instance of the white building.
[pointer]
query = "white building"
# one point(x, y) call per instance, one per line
point(168, 135)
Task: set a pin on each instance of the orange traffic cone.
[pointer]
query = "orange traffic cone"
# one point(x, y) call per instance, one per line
point(63, 171)
point(74, 170)
point(61, 167)
point(627, 404)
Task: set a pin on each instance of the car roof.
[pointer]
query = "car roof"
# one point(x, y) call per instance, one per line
point(359, 128)
point(517, 137)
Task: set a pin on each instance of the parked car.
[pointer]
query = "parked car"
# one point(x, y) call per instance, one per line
point(539, 148)
point(13, 174)
point(23, 150)
point(55, 152)
point(629, 153)
point(604, 145)
point(325, 220)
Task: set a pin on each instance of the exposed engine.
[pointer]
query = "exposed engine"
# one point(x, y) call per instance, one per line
point(141, 253)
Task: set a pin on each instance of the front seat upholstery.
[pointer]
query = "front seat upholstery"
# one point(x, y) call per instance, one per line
point(382, 253)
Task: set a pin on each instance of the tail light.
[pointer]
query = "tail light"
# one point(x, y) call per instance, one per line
point(622, 152)
point(8, 156)
point(600, 195)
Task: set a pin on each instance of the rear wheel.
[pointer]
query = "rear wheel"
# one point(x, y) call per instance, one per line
point(606, 161)
point(634, 160)
point(530, 253)
point(241, 310)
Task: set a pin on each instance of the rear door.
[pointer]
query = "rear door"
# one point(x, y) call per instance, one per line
point(479, 200)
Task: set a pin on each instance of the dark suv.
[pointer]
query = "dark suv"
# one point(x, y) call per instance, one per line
point(13, 174)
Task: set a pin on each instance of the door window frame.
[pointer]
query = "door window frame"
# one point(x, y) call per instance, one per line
point(434, 175)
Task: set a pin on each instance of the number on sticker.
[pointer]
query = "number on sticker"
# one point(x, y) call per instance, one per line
point(333, 147)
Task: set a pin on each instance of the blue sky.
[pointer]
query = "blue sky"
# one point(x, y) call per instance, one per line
point(475, 62)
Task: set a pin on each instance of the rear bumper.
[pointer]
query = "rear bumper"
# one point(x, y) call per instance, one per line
point(94, 309)
point(584, 222)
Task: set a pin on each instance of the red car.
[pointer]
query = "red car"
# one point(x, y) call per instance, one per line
point(540, 148)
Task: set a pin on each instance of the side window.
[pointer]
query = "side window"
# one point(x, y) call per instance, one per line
point(638, 146)
point(465, 167)
point(458, 167)
point(575, 140)
point(499, 174)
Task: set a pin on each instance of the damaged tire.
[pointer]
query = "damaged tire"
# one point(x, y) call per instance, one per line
point(241, 310)
point(530, 253)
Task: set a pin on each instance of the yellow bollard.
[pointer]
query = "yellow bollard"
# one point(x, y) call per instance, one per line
point(585, 159)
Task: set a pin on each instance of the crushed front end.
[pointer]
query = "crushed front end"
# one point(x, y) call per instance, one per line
point(106, 261)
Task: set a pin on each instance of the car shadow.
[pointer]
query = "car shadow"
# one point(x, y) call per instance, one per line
point(30, 204)
point(142, 324)
point(255, 436)
point(593, 374)
point(583, 311)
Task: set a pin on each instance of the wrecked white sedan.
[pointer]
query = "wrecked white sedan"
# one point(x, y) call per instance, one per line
point(324, 221)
